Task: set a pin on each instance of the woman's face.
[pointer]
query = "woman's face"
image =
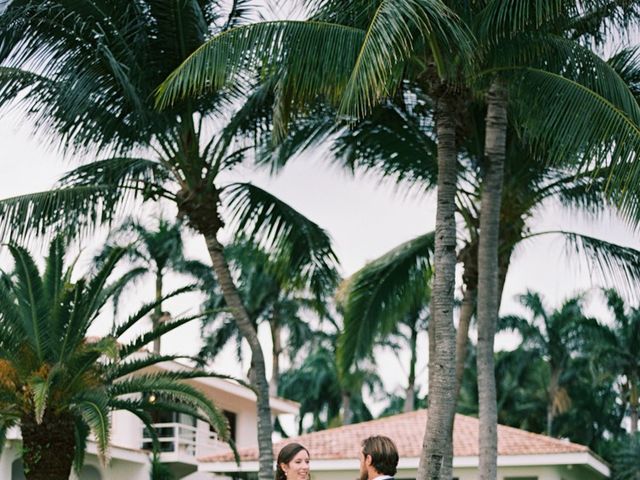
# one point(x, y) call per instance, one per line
point(298, 467)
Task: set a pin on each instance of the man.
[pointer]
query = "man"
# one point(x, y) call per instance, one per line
point(378, 458)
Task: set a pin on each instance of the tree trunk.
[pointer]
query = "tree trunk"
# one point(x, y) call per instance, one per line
point(488, 282)
point(410, 392)
point(347, 414)
point(552, 392)
point(462, 335)
point(259, 376)
point(157, 312)
point(275, 356)
point(437, 450)
point(633, 406)
point(48, 448)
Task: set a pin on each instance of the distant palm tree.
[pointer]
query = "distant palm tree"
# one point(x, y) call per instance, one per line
point(331, 396)
point(555, 336)
point(155, 252)
point(59, 386)
point(618, 346)
point(282, 302)
point(388, 295)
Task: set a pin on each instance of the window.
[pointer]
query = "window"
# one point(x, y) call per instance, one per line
point(232, 419)
point(17, 470)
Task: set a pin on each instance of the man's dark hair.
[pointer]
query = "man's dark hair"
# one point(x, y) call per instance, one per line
point(384, 454)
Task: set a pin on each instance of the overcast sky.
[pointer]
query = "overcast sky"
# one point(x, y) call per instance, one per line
point(365, 219)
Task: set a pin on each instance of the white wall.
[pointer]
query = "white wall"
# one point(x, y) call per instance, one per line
point(126, 430)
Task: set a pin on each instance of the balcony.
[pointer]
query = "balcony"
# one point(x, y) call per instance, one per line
point(181, 443)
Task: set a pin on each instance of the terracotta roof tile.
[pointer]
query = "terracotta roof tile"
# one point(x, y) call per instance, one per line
point(407, 430)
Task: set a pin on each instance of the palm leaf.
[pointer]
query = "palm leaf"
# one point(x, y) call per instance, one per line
point(94, 411)
point(391, 37)
point(615, 264)
point(121, 329)
point(300, 247)
point(381, 293)
point(30, 294)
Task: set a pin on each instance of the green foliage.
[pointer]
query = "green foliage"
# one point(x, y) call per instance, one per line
point(626, 464)
point(47, 364)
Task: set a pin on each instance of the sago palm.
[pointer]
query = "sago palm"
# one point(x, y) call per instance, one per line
point(59, 386)
point(85, 74)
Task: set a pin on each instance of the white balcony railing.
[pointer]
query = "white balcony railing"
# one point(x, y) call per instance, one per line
point(183, 442)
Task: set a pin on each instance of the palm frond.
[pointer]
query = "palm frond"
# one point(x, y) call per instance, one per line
point(381, 293)
point(318, 56)
point(157, 332)
point(300, 247)
point(30, 294)
point(166, 385)
point(615, 264)
point(121, 329)
point(391, 37)
point(95, 412)
point(81, 433)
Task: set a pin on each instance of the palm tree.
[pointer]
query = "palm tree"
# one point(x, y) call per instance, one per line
point(59, 386)
point(87, 79)
point(627, 459)
point(331, 396)
point(388, 292)
point(152, 251)
point(619, 344)
point(355, 53)
point(555, 336)
point(268, 298)
point(529, 72)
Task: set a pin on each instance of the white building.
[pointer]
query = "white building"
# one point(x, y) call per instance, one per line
point(521, 455)
point(183, 439)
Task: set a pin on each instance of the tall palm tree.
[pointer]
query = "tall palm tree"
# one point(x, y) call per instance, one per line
point(59, 386)
point(354, 54)
point(86, 73)
point(154, 251)
point(619, 344)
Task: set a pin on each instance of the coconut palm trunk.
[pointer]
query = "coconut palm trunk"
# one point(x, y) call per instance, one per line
point(436, 458)
point(276, 340)
point(410, 392)
point(462, 335)
point(634, 400)
point(48, 448)
point(259, 375)
point(157, 312)
point(488, 275)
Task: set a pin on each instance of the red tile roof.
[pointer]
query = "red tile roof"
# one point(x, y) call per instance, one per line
point(407, 431)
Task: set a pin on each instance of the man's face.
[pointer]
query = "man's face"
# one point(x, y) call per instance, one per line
point(364, 473)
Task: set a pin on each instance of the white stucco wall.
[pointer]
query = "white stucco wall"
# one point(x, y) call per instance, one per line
point(126, 430)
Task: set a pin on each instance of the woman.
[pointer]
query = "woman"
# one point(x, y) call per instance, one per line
point(293, 463)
